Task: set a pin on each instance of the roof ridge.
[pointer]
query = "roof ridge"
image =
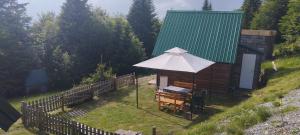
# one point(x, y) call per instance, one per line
point(200, 11)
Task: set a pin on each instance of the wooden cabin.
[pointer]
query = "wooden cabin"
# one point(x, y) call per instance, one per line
point(212, 35)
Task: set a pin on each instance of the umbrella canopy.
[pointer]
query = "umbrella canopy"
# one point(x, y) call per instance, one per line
point(176, 59)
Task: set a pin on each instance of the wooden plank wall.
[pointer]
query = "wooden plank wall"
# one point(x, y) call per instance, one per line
point(215, 78)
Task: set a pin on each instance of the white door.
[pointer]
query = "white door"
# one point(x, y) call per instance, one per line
point(163, 82)
point(247, 72)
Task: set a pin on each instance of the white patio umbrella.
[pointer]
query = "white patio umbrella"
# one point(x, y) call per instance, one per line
point(176, 59)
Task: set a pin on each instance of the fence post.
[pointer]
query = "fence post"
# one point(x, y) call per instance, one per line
point(115, 83)
point(40, 119)
point(62, 103)
point(137, 90)
point(153, 130)
point(133, 79)
point(23, 109)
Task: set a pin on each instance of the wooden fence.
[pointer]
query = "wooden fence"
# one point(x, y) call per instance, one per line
point(46, 123)
point(35, 113)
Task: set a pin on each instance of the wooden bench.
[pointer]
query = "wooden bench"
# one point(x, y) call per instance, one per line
point(175, 100)
point(183, 84)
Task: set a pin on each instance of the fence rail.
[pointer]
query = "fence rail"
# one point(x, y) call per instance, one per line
point(45, 122)
point(35, 113)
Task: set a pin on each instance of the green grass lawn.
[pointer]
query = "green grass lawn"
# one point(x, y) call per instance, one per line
point(117, 110)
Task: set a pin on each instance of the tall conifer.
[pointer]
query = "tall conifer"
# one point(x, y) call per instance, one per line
point(250, 7)
point(143, 20)
point(206, 6)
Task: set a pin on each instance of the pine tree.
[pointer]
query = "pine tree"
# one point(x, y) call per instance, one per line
point(250, 7)
point(206, 6)
point(210, 7)
point(57, 62)
point(143, 20)
point(16, 54)
point(74, 21)
point(126, 48)
point(76, 34)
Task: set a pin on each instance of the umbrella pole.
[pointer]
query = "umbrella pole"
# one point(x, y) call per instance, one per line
point(193, 88)
point(137, 91)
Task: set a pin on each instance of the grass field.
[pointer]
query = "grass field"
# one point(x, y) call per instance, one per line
point(117, 110)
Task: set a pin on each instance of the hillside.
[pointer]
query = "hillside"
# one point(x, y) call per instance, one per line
point(240, 117)
point(233, 119)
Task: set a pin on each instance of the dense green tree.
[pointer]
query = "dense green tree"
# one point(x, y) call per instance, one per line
point(206, 6)
point(44, 34)
point(59, 69)
point(250, 7)
point(75, 34)
point(290, 23)
point(143, 20)
point(57, 62)
point(16, 57)
point(269, 15)
point(126, 49)
point(69, 46)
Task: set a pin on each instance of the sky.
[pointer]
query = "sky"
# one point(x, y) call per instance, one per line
point(117, 7)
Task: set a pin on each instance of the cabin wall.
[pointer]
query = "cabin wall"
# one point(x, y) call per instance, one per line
point(237, 67)
point(216, 78)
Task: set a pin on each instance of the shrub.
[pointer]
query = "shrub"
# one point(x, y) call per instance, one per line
point(289, 109)
point(276, 103)
point(102, 73)
point(246, 119)
point(263, 113)
point(286, 49)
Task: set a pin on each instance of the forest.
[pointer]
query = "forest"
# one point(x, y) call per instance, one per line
point(83, 44)
point(71, 45)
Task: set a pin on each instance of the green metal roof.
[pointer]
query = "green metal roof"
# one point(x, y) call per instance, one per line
point(213, 35)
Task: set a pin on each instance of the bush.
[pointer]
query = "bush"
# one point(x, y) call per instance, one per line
point(263, 113)
point(287, 49)
point(289, 109)
point(276, 103)
point(246, 119)
point(102, 73)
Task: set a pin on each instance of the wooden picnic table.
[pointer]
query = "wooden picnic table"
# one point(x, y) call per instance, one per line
point(177, 89)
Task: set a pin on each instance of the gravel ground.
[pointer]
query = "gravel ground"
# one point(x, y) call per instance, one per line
point(281, 123)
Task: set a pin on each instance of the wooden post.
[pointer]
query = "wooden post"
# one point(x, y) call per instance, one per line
point(62, 103)
point(115, 87)
point(193, 88)
point(23, 109)
point(153, 130)
point(210, 82)
point(157, 79)
point(41, 120)
point(137, 90)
